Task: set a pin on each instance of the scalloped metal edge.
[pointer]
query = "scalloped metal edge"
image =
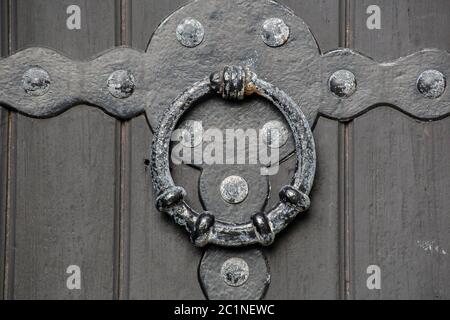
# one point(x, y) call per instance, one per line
point(85, 82)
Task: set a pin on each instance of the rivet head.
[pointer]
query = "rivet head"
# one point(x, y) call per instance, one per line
point(274, 134)
point(234, 189)
point(36, 81)
point(275, 32)
point(121, 84)
point(190, 32)
point(191, 133)
point(235, 272)
point(431, 84)
point(342, 83)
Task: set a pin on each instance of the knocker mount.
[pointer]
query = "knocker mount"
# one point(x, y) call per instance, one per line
point(260, 38)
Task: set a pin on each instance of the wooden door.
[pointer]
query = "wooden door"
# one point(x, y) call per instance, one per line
point(76, 188)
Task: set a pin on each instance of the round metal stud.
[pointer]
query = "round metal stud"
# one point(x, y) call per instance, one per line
point(431, 84)
point(235, 272)
point(191, 133)
point(275, 32)
point(36, 81)
point(274, 134)
point(234, 189)
point(121, 84)
point(190, 32)
point(342, 83)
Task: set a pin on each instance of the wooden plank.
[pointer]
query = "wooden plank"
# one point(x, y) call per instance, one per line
point(304, 260)
point(399, 173)
point(162, 262)
point(401, 221)
point(406, 27)
point(66, 171)
point(322, 17)
point(3, 146)
point(147, 15)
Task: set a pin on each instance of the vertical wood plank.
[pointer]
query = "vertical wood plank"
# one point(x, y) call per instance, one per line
point(400, 182)
point(3, 146)
point(66, 170)
point(406, 27)
point(401, 221)
point(305, 259)
point(147, 15)
point(163, 263)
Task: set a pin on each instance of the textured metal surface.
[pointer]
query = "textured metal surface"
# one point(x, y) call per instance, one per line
point(36, 81)
point(303, 66)
point(275, 32)
point(234, 274)
point(255, 201)
point(234, 189)
point(74, 82)
point(293, 198)
point(275, 134)
point(431, 83)
point(121, 84)
point(190, 32)
point(342, 83)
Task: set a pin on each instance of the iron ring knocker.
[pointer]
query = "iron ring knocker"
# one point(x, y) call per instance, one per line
point(234, 82)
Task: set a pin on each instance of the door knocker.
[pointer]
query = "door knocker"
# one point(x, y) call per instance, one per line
point(234, 82)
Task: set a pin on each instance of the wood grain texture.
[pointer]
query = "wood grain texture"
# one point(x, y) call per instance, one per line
point(162, 261)
point(146, 17)
point(3, 147)
point(304, 260)
point(406, 27)
point(66, 171)
point(398, 175)
point(322, 17)
point(400, 221)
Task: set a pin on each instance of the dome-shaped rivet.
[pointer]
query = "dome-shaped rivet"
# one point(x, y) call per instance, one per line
point(342, 83)
point(234, 189)
point(190, 32)
point(431, 84)
point(36, 81)
point(235, 272)
point(121, 84)
point(275, 32)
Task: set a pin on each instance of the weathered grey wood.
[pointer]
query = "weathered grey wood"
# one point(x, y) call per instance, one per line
point(399, 168)
point(3, 146)
point(66, 173)
point(406, 27)
point(162, 262)
point(322, 17)
point(400, 214)
point(147, 15)
point(304, 261)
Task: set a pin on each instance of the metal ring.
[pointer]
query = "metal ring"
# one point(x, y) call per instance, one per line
point(234, 82)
